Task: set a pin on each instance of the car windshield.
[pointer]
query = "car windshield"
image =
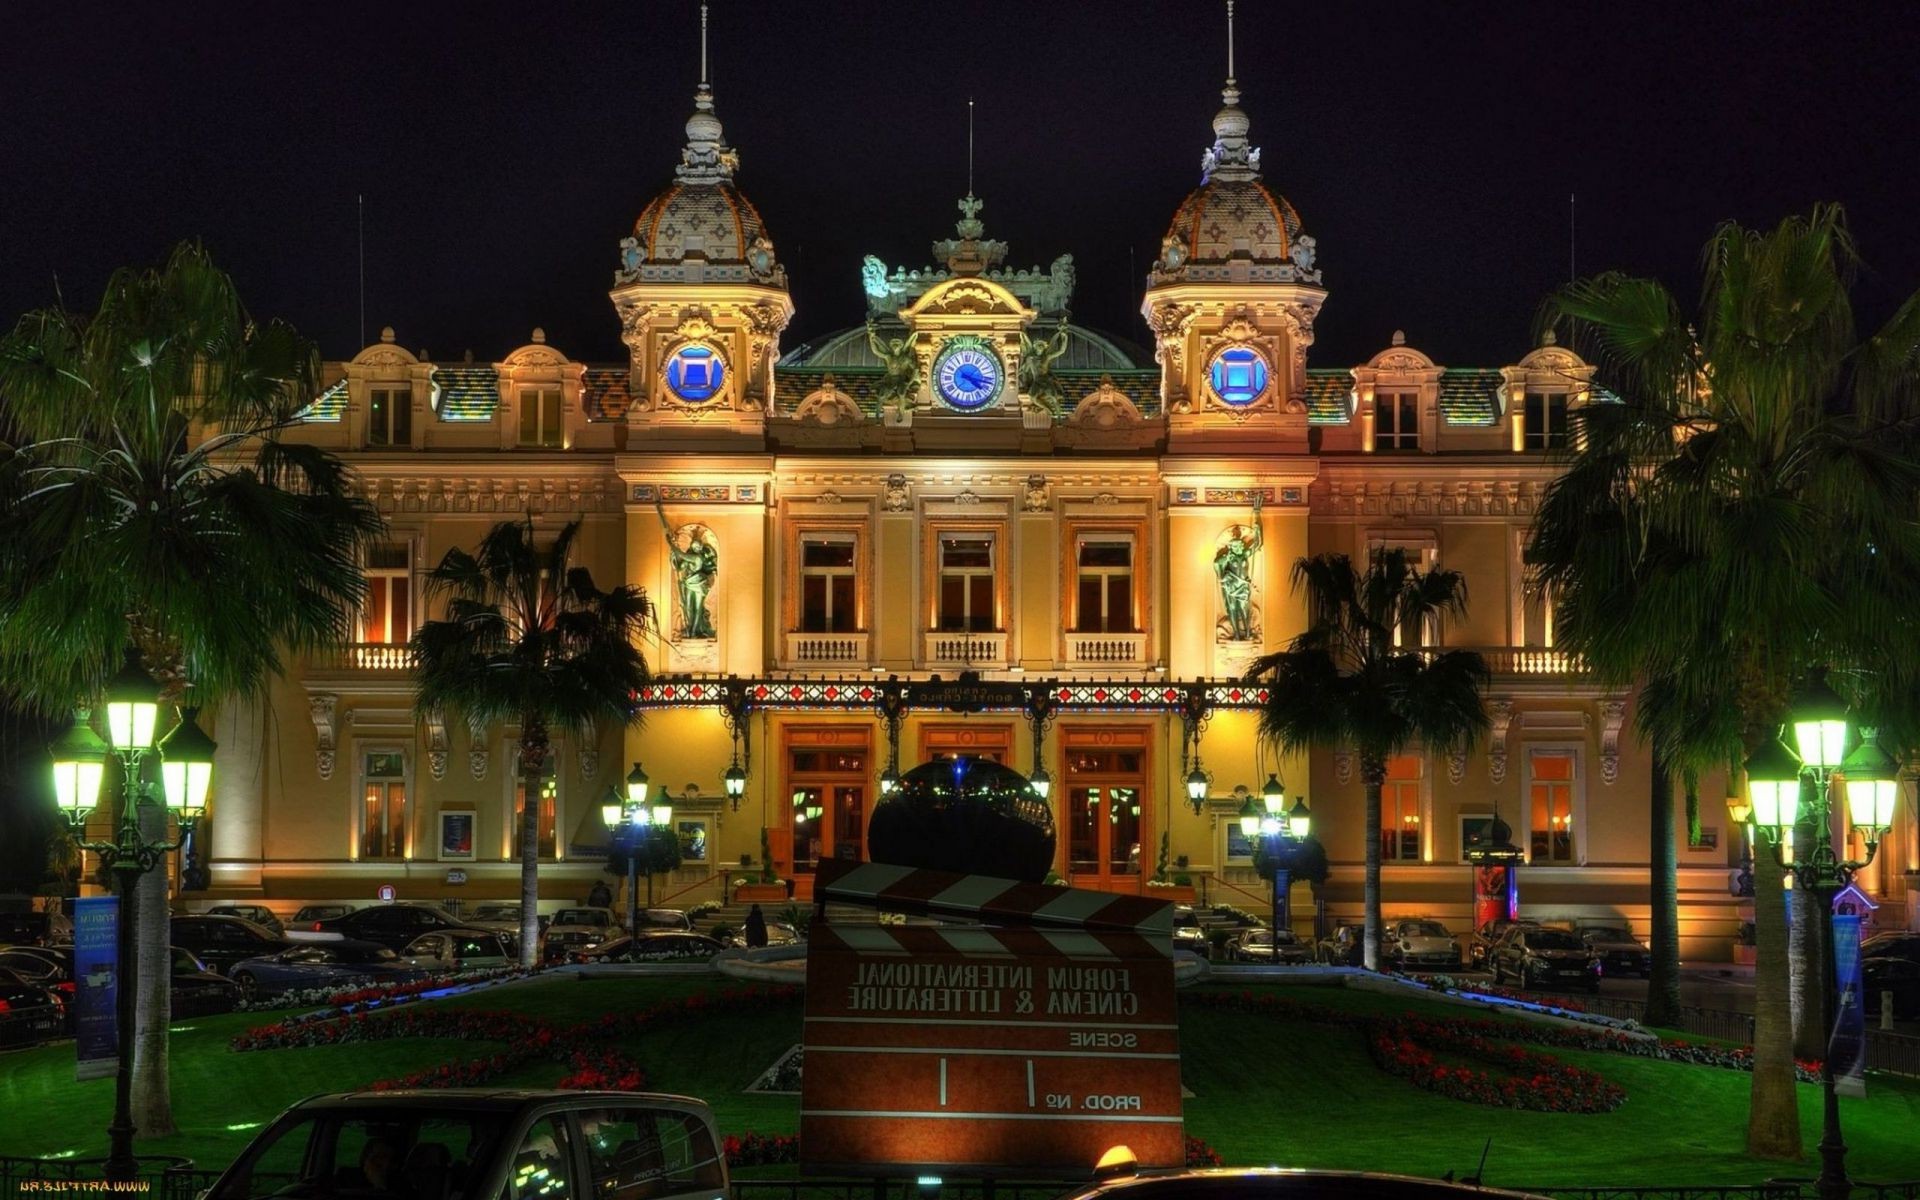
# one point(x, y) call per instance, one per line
point(1609, 933)
point(365, 954)
point(1185, 921)
point(1423, 929)
point(496, 912)
point(1553, 939)
point(361, 1152)
point(581, 916)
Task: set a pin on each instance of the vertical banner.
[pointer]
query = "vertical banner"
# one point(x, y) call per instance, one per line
point(1847, 1048)
point(96, 976)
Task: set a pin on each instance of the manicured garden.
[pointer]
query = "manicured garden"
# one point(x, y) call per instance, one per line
point(1295, 1076)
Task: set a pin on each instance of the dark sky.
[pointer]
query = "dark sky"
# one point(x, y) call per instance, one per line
point(504, 149)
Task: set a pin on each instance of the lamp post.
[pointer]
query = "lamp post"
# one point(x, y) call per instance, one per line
point(79, 765)
point(1281, 832)
point(634, 812)
point(1774, 778)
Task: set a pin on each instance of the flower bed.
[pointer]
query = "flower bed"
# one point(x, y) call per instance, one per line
point(371, 995)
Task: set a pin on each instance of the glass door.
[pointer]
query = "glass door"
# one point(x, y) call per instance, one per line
point(1107, 819)
point(827, 791)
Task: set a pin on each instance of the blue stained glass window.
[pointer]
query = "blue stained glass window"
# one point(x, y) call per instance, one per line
point(695, 373)
point(1238, 375)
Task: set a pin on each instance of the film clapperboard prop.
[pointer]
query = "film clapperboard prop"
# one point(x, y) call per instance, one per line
point(1031, 1042)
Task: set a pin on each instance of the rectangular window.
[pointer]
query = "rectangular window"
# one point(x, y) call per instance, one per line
point(383, 811)
point(390, 417)
point(549, 803)
point(827, 585)
point(1400, 814)
point(540, 417)
point(1104, 592)
point(1396, 421)
point(1538, 617)
point(967, 582)
point(388, 615)
point(1546, 421)
point(1550, 779)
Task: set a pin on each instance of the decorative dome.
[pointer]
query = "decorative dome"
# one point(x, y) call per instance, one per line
point(968, 815)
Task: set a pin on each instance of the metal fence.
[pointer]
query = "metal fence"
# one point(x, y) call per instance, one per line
point(157, 1177)
point(1700, 1022)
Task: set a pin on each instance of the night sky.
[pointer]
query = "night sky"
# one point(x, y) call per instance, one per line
point(503, 150)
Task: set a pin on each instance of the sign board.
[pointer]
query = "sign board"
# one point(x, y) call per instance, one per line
point(1032, 1045)
point(968, 695)
point(454, 876)
point(1847, 1043)
point(96, 977)
point(385, 893)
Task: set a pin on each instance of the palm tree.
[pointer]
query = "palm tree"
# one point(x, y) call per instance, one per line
point(1740, 524)
point(1349, 681)
point(212, 558)
point(528, 637)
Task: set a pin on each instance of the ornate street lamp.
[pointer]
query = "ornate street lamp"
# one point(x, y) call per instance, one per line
point(186, 776)
point(1282, 834)
point(637, 782)
point(131, 701)
point(1197, 784)
point(735, 780)
point(890, 779)
point(1039, 781)
point(1273, 794)
point(1774, 779)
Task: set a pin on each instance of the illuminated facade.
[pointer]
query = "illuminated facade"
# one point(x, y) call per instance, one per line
point(968, 483)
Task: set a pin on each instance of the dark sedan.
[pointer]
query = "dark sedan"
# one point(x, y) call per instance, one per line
point(1892, 945)
point(220, 942)
point(195, 991)
point(29, 1013)
point(318, 965)
point(1620, 952)
point(665, 946)
point(1898, 978)
point(1268, 1183)
point(394, 926)
point(1536, 956)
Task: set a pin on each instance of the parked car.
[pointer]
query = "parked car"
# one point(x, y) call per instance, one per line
point(196, 991)
point(1344, 947)
point(484, 1142)
point(779, 933)
point(664, 918)
point(220, 942)
point(1257, 945)
point(259, 914)
point(1271, 1183)
point(1899, 944)
point(1900, 976)
point(391, 925)
point(1620, 952)
point(578, 929)
point(35, 928)
point(321, 965)
point(664, 945)
point(1487, 937)
point(1416, 943)
point(446, 950)
point(309, 913)
point(1188, 933)
point(1534, 955)
point(502, 918)
point(29, 1012)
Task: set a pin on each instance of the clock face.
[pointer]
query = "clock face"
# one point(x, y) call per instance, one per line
point(967, 374)
point(1238, 376)
point(696, 373)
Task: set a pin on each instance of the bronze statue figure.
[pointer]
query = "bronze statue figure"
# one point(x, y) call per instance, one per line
point(694, 571)
point(1233, 567)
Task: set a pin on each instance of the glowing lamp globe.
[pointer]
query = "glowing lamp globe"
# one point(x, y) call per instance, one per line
point(1273, 795)
point(1820, 727)
point(133, 706)
point(637, 784)
point(1773, 788)
point(1249, 819)
point(1873, 786)
point(186, 766)
point(79, 761)
point(1299, 819)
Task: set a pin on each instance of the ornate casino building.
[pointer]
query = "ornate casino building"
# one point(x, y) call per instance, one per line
point(968, 526)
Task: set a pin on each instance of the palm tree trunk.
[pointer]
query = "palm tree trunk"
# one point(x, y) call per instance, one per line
point(152, 1101)
point(1663, 987)
point(1773, 1113)
point(1373, 771)
point(1804, 951)
point(533, 761)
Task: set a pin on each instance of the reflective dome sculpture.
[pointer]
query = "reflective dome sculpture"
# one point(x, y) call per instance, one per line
point(966, 815)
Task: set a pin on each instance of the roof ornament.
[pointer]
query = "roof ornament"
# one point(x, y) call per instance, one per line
point(707, 157)
point(972, 252)
point(1230, 157)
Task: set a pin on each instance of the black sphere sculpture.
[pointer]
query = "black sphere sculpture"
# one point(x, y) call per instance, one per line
point(966, 815)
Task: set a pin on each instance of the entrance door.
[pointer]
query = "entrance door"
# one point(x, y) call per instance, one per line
point(827, 793)
point(1108, 820)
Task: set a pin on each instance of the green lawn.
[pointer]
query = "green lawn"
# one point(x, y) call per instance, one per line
point(1266, 1091)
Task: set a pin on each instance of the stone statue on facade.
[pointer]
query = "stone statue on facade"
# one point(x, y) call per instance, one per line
point(1302, 253)
point(901, 383)
point(1037, 356)
point(695, 568)
point(873, 278)
point(629, 259)
point(1233, 567)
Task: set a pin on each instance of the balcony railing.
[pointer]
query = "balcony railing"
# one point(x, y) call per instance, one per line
point(827, 649)
point(948, 649)
point(1106, 649)
point(371, 656)
point(1525, 660)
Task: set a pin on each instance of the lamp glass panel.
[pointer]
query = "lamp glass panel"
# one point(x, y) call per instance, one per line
point(663, 814)
point(1298, 824)
point(130, 724)
point(1765, 797)
point(1870, 803)
point(1196, 786)
point(610, 815)
point(1250, 825)
point(1789, 792)
point(76, 785)
point(1822, 743)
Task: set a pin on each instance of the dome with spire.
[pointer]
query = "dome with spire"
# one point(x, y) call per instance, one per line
point(701, 229)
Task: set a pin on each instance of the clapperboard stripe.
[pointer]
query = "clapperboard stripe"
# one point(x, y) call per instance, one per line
point(979, 942)
point(940, 893)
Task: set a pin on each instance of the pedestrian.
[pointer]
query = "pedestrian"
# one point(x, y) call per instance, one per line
point(756, 928)
point(601, 896)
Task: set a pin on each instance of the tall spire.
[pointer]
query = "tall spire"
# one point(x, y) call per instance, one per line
point(1230, 157)
point(707, 158)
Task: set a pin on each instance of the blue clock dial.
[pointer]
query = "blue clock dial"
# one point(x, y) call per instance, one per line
point(967, 375)
point(695, 373)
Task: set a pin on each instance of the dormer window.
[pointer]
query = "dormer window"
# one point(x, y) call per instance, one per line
point(540, 424)
point(1545, 418)
point(390, 416)
point(1396, 421)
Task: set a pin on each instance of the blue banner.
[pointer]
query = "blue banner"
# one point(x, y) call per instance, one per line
point(96, 977)
point(1847, 1048)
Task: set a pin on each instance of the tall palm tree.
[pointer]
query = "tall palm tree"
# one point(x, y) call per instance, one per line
point(1357, 678)
point(1742, 523)
point(150, 502)
point(528, 637)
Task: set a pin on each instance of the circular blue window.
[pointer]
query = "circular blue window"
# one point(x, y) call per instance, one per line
point(1238, 375)
point(696, 373)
